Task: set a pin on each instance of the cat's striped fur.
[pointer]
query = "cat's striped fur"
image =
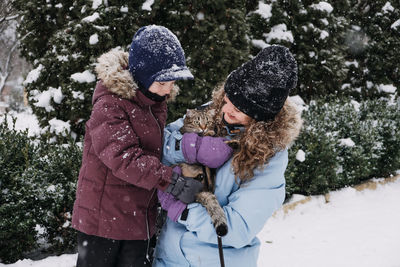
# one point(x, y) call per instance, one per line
point(201, 122)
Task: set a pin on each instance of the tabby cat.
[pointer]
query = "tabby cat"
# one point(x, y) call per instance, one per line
point(202, 123)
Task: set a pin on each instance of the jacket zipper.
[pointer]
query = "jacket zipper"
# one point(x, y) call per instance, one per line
point(152, 194)
point(147, 226)
point(159, 128)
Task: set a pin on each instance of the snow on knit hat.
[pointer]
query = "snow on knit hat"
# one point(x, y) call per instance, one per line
point(156, 55)
point(259, 87)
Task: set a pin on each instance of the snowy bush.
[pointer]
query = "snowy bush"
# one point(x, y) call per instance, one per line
point(343, 143)
point(16, 224)
point(37, 184)
point(313, 32)
point(372, 41)
point(343, 47)
point(73, 34)
point(214, 37)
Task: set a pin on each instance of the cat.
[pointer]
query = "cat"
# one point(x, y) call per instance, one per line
point(202, 123)
point(199, 121)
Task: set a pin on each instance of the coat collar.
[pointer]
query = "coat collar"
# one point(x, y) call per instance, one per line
point(140, 99)
point(144, 101)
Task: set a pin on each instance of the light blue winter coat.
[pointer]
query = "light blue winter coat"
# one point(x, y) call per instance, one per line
point(247, 206)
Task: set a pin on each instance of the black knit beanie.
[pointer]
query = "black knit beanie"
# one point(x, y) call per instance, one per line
point(259, 87)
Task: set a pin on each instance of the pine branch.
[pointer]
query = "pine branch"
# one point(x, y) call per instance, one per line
point(12, 17)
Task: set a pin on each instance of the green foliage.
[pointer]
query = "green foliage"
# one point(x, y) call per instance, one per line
point(331, 161)
point(37, 186)
point(15, 224)
point(315, 35)
point(212, 34)
point(71, 35)
point(350, 50)
point(39, 177)
point(373, 40)
point(343, 48)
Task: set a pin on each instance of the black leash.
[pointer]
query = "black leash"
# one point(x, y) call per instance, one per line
point(221, 252)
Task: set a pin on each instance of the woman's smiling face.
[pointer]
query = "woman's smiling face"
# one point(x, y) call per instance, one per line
point(232, 115)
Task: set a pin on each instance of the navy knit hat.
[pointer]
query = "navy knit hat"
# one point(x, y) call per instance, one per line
point(156, 55)
point(259, 87)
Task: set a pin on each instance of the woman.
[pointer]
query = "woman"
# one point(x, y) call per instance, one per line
point(253, 107)
point(116, 203)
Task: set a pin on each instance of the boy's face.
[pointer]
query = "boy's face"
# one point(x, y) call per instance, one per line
point(161, 88)
point(232, 115)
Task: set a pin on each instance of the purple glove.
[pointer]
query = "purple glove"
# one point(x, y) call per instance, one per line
point(173, 206)
point(209, 151)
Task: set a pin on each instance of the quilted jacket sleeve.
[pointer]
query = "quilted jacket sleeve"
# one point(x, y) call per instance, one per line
point(172, 154)
point(118, 147)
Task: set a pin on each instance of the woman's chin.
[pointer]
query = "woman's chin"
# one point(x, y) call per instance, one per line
point(228, 119)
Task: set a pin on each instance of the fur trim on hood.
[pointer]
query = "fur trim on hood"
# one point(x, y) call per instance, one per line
point(112, 70)
point(260, 140)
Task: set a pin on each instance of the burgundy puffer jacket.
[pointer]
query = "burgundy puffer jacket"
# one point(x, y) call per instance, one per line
point(121, 167)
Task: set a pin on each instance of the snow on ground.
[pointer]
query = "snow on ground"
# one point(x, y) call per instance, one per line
point(66, 260)
point(354, 229)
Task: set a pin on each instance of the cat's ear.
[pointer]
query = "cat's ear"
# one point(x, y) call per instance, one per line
point(190, 112)
point(211, 112)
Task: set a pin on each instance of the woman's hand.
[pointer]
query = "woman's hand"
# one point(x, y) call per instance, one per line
point(210, 151)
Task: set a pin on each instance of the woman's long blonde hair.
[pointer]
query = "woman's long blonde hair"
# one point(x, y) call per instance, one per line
point(260, 140)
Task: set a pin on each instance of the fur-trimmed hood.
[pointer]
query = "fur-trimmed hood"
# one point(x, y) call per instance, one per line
point(260, 140)
point(112, 70)
point(285, 128)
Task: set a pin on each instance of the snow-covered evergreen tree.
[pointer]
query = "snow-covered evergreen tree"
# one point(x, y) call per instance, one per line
point(344, 142)
point(327, 37)
point(213, 35)
point(373, 48)
point(37, 185)
point(63, 50)
point(315, 35)
point(75, 33)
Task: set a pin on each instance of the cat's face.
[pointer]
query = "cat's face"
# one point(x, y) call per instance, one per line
point(199, 121)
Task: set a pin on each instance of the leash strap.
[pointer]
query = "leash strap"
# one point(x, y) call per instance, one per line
point(221, 252)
